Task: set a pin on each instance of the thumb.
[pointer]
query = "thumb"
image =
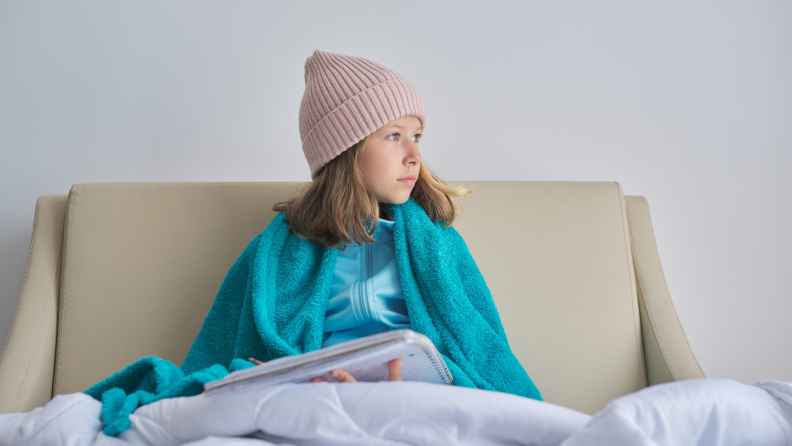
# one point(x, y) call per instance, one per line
point(395, 370)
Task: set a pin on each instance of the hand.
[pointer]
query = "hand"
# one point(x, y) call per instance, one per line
point(394, 373)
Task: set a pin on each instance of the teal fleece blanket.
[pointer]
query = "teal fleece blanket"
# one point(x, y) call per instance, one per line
point(273, 299)
point(147, 380)
point(272, 303)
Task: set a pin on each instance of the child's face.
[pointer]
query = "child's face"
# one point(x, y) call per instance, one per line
point(391, 160)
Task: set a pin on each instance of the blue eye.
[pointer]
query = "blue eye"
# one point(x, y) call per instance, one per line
point(392, 134)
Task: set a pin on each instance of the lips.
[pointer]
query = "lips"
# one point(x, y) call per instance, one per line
point(408, 180)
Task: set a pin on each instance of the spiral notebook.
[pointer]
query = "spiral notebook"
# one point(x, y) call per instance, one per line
point(366, 359)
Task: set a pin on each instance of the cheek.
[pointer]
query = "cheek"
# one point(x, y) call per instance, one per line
point(375, 165)
point(371, 174)
point(366, 167)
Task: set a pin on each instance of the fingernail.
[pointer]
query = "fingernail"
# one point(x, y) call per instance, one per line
point(334, 374)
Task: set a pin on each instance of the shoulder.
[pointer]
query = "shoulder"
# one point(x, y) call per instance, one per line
point(279, 236)
point(452, 235)
point(274, 230)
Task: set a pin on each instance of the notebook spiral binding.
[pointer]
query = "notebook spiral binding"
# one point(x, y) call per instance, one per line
point(438, 361)
point(447, 371)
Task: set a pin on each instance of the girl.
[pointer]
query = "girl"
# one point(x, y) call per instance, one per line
point(366, 247)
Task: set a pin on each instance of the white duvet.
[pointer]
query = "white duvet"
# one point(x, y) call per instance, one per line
point(696, 412)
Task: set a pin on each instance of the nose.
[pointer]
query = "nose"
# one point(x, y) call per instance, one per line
point(413, 155)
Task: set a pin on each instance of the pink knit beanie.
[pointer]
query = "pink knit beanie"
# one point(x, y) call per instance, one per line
point(346, 99)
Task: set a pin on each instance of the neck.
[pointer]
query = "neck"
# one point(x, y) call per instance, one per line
point(382, 214)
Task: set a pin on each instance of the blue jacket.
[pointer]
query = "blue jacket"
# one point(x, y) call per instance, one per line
point(365, 294)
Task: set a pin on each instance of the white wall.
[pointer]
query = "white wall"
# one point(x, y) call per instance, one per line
point(686, 103)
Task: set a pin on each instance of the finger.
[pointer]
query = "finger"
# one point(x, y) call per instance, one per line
point(319, 379)
point(395, 370)
point(343, 376)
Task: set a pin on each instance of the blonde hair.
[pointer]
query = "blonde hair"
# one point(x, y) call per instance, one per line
point(338, 207)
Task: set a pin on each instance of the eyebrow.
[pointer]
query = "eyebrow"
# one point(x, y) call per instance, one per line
point(405, 128)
